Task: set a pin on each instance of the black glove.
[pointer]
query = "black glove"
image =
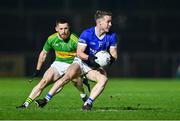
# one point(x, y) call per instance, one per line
point(36, 73)
point(92, 62)
point(112, 60)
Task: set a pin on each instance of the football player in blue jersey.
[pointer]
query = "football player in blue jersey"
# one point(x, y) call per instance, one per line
point(91, 40)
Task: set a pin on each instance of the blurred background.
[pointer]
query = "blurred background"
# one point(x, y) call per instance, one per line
point(148, 31)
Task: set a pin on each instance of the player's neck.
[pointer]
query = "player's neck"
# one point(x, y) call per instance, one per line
point(99, 32)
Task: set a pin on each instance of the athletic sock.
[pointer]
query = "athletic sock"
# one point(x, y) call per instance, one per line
point(28, 101)
point(48, 97)
point(89, 101)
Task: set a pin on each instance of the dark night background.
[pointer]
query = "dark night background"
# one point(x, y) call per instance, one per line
point(148, 30)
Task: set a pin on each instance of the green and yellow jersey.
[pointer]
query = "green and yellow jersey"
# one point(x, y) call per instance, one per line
point(65, 51)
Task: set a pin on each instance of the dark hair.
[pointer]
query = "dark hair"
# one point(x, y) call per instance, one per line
point(63, 20)
point(101, 14)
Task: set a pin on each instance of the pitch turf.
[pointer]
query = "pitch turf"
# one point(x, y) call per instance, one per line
point(122, 99)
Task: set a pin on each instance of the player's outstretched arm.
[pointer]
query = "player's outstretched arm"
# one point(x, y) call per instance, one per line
point(42, 57)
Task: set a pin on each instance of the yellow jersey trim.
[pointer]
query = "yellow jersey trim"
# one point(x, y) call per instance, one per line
point(65, 54)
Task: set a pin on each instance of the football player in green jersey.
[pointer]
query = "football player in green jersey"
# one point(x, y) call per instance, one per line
point(64, 43)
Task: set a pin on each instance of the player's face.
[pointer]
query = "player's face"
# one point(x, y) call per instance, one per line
point(63, 30)
point(106, 23)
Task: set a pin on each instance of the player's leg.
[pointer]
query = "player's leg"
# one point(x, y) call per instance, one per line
point(50, 75)
point(72, 72)
point(101, 79)
point(77, 82)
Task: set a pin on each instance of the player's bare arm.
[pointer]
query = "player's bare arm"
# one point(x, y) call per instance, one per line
point(80, 51)
point(113, 52)
point(41, 59)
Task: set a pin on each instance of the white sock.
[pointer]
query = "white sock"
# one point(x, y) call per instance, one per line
point(48, 97)
point(89, 101)
point(26, 104)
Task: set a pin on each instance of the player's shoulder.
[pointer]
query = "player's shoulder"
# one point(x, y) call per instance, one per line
point(52, 36)
point(112, 35)
point(74, 37)
point(89, 31)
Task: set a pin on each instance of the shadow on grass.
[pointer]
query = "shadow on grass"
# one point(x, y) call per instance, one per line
point(128, 108)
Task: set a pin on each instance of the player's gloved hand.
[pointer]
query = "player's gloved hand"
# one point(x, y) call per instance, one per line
point(112, 60)
point(36, 73)
point(91, 59)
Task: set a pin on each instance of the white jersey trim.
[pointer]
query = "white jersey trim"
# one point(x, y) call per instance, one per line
point(82, 44)
point(113, 46)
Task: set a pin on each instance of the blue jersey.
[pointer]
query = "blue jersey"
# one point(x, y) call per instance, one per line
point(94, 43)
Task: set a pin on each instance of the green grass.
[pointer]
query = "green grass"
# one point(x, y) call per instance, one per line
point(137, 99)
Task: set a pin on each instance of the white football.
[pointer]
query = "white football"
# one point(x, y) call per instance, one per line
point(103, 58)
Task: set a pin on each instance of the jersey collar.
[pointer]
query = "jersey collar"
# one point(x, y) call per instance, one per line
point(101, 37)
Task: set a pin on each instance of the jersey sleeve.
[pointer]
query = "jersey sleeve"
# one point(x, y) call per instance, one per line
point(113, 42)
point(47, 46)
point(83, 38)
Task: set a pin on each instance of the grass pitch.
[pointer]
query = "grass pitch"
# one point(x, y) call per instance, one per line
point(137, 99)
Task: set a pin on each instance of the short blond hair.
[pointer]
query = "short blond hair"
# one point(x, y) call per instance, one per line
point(101, 14)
